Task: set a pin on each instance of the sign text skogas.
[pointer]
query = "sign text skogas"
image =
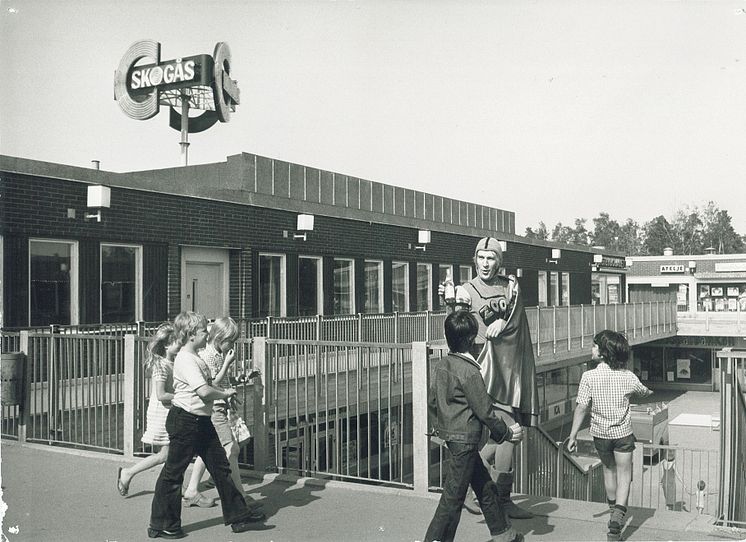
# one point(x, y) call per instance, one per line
point(170, 74)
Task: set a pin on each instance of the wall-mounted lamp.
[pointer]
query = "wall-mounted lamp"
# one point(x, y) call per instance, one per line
point(519, 272)
point(556, 255)
point(423, 237)
point(598, 258)
point(628, 261)
point(692, 266)
point(503, 246)
point(99, 197)
point(304, 223)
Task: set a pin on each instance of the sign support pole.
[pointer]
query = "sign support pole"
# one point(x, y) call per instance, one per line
point(184, 128)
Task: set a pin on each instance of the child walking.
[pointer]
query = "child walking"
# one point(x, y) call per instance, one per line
point(162, 349)
point(460, 406)
point(219, 355)
point(607, 388)
point(191, 432)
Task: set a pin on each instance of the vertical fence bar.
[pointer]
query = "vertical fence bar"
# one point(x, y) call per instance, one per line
point(129, 395)
point(538, 331)
point(25, 413)
point(260, 384)
point(582, 326)
point(420, 441)
point(554, 329)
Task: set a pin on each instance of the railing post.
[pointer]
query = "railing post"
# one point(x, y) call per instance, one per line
point(427, 326)
point(569, 331)
point(625, 319)
point(538, 330)
point(554, 329)
point(396, 327)
point(318, 327)
point(594, 320)
point(636, 487)
point(606, 316)
point(657, 318)
point(360, 327)
point(260, 385)
point(582, 326)
point(420, 426)
point(25, 413)
point(269, 327)
point(559, 473)
point(129, 395)
point(634, 320)
point(140, 328)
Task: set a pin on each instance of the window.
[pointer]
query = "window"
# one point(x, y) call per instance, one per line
point(120, 283)
point(465, 273)
point(542, 288)
point(53, 284)
point(344, 286)
point(272, 285)
point(554, 293)
point(373, 290)
point(424, 287)
point(444, 271)
point(400, 286)
point(310, 301)
point(566, 289)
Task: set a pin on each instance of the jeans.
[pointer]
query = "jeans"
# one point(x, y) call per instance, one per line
point(463, 467)
point(191, 434)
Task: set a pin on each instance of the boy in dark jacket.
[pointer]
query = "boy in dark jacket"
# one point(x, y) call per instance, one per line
point(461, 406)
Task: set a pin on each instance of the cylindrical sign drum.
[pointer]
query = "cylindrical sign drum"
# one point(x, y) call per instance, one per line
point(11, 373)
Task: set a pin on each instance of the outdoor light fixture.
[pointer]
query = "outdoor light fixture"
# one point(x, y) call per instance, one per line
point(503, 246)
point(519, 272)
point(304, 223)
point(99, 197)
point(628, 261)
point(692, 266)
point(598, 258)
point(423, 237)
point(556, 255)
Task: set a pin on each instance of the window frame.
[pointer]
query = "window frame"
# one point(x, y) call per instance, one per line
point(138, 278)
point(74, 275)
point(283, 282)
point(379, 265)
point(542, 278)
point(319, 281)
point(405, 266)
point(429, 268)
point(351, 261)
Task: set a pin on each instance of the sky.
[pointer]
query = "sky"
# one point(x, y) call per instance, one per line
point(553, 109)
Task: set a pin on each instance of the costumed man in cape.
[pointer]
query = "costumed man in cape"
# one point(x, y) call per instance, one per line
point(504, 351)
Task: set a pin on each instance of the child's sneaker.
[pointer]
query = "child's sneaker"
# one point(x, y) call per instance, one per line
point(617, 520)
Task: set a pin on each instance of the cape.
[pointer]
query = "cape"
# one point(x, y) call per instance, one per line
point(508, 365)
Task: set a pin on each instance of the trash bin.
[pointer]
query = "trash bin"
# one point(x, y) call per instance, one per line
point(12, 365)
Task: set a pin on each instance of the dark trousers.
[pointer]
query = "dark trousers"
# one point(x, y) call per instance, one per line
point(464, 466)
point(189, 435)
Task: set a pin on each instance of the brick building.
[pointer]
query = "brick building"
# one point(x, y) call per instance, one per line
point(223, 238)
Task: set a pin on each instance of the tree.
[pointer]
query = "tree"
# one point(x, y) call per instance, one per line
point(540, 233)
point(630, 238)
point(657, 235)
point(718, 231)
point(606, 232)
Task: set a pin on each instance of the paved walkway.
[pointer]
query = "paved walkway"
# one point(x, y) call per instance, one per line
point(59, 495)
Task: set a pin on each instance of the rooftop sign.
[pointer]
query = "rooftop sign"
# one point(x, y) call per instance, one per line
point(143, 82)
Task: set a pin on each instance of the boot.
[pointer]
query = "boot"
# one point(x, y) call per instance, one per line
point(511, 535)
point(504, 484)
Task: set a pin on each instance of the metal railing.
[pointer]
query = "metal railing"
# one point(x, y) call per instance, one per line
point(335, 410)
point(732, 502)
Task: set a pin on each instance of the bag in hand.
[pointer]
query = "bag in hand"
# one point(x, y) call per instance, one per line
point(240, 429)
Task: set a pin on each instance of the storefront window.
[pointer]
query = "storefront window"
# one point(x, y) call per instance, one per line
point(119, 283)
point(373, 286)
point(271, 285)
point(720, 297)
point(309, 286)
point(424, 287)
point(400, 286)
point(565, 289)
point(554, 293)
point(465, 273)
point(344, 286)
point(555, 386)
point(652, 368)
point(542, 287)
point(51, 282)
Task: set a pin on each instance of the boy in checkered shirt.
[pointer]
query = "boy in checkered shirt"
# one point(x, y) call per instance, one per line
point(607, 389)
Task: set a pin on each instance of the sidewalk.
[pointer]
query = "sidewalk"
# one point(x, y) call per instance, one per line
point(61, 495)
